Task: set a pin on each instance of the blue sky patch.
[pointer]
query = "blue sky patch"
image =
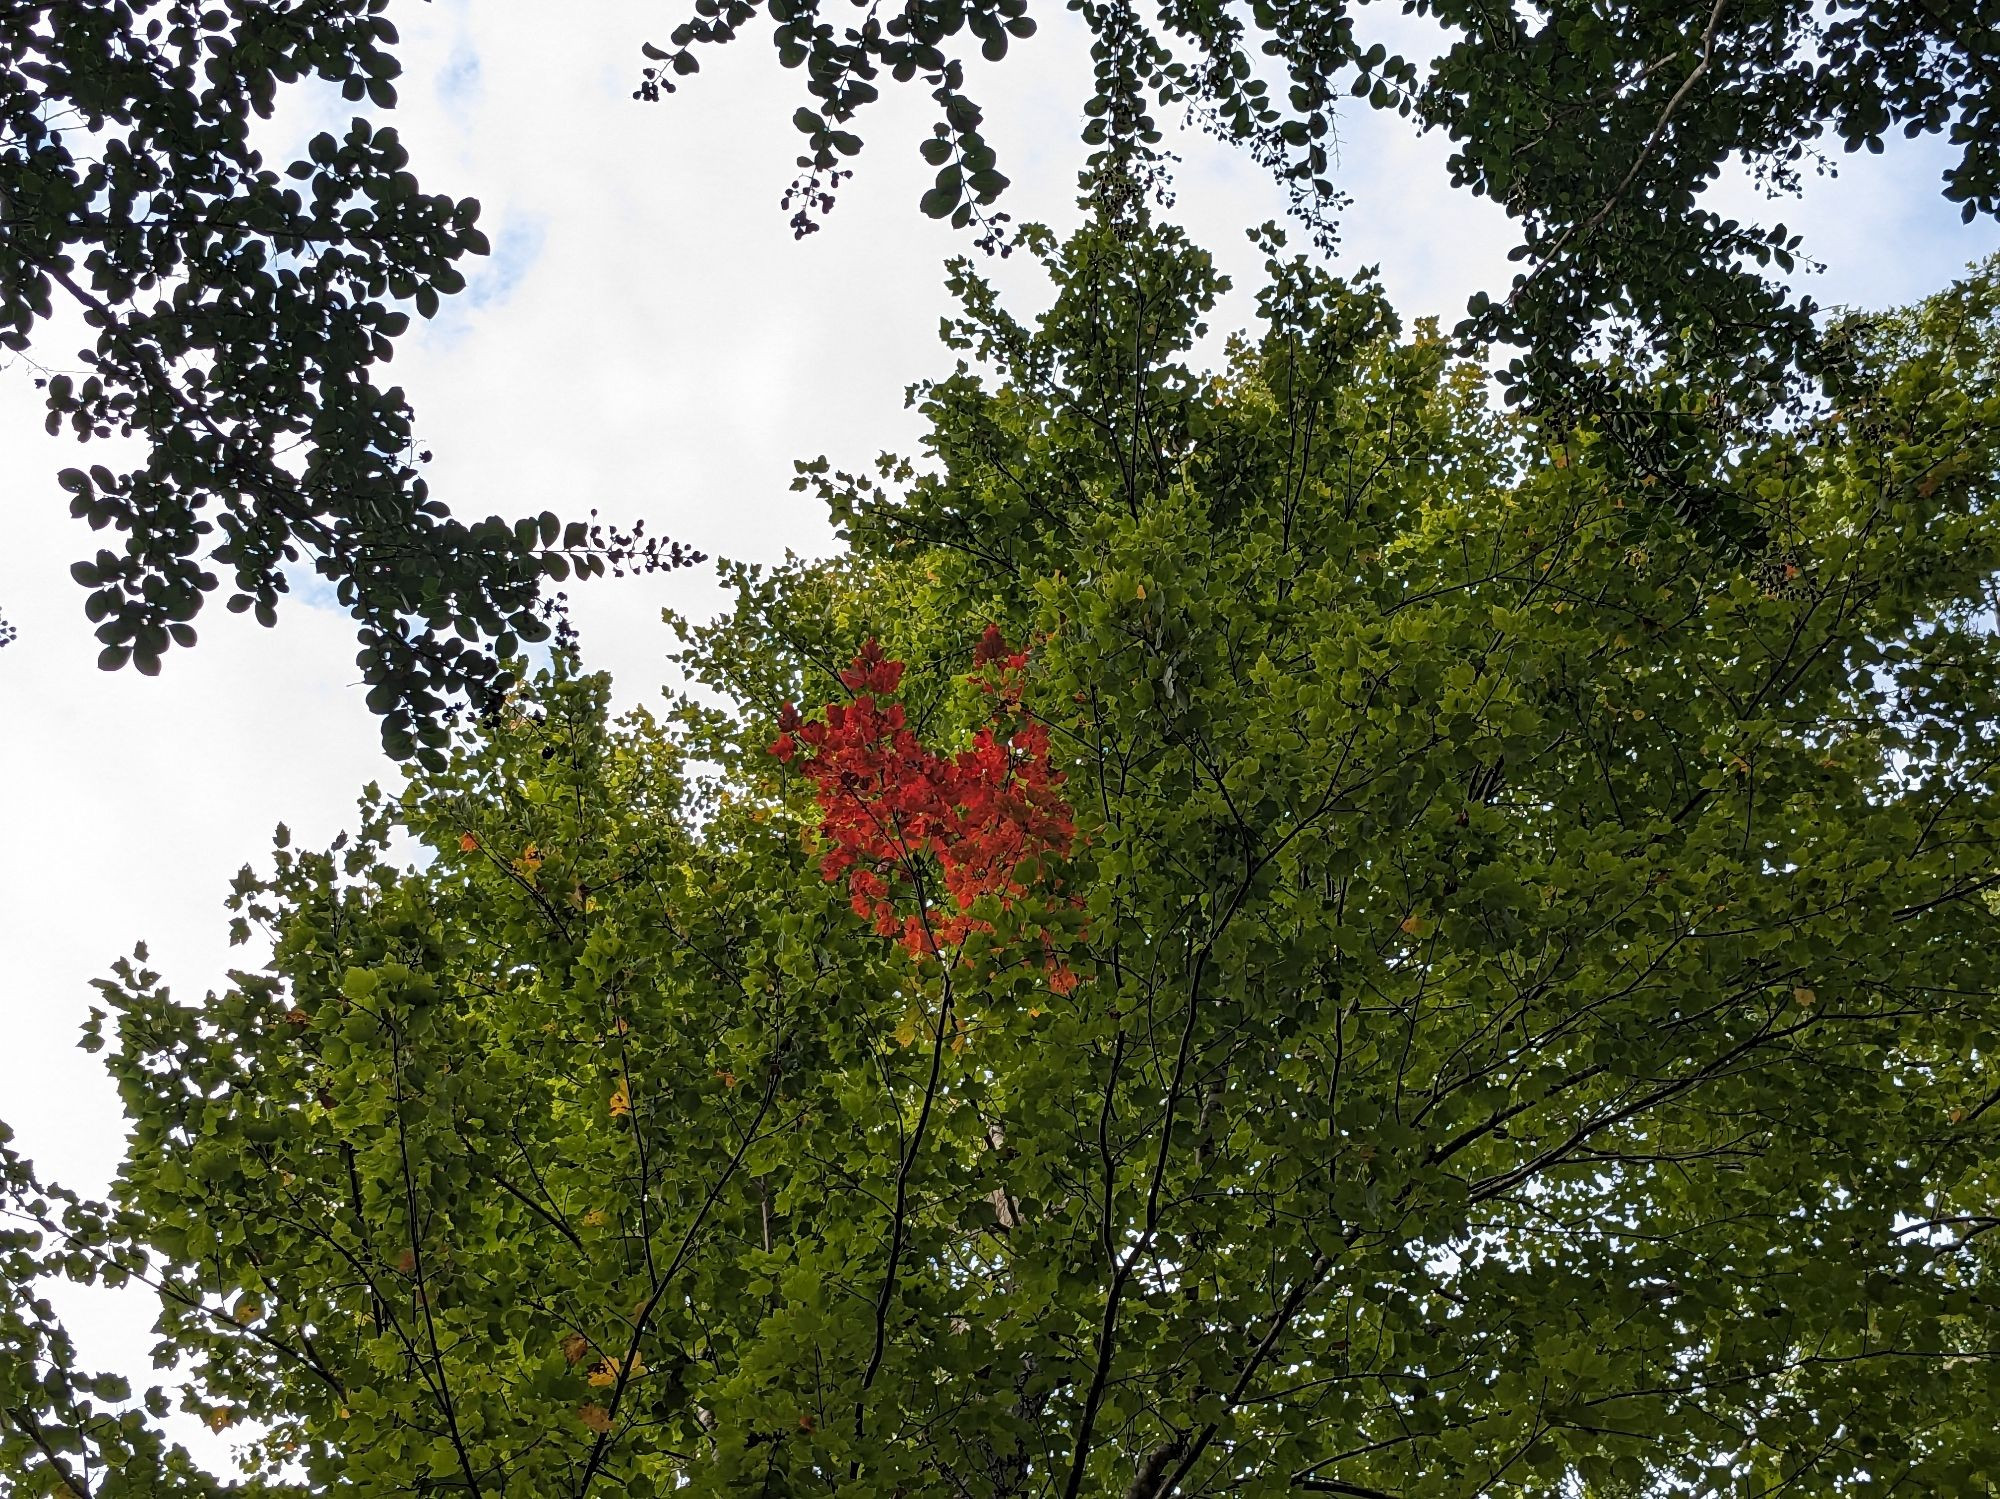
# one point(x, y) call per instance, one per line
point(458, 81)
point(515, 250)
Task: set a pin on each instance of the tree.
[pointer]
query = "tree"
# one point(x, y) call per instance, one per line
point(240, 315)
point(1300, 938)
point(239, 320)
point(1596, 126)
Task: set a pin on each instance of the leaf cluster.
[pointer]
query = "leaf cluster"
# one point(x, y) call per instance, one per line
point(240, 315)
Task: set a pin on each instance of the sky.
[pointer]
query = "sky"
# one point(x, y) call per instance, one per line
point(648, 339)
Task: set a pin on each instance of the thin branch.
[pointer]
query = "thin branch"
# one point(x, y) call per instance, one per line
point(1596, 220)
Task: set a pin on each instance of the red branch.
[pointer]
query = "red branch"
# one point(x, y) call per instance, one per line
point(988, 817)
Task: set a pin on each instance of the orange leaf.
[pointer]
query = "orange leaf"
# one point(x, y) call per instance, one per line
point(596, 1417)
point(468, 843)
point(574, 1347)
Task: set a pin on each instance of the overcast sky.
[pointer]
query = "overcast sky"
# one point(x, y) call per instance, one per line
point(648, 339)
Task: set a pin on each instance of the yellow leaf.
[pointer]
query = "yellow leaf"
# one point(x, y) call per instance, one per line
point(1957, 1115)
point(621, 1101)
point(247, 1310)
point(531, 857)
point(220, 1417)
point(1803, 998)
point(606, 1373)
point(596, 1218)
point(1139, 592)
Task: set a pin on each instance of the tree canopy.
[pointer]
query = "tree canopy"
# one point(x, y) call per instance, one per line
point(240, 317)
point(1262, 931)
point(1597, 127)
point(241, 314)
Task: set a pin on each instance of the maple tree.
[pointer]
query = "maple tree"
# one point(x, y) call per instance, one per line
point(1431, 979)
point(992, 816)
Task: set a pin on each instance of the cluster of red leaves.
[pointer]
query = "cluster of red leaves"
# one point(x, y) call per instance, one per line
point(893, 810)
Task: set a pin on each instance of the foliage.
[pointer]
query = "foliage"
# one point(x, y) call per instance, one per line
point(62, 1430)
point(1520, 1018)
point(240, 316)
point(1596, 126)
point(990, 819)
